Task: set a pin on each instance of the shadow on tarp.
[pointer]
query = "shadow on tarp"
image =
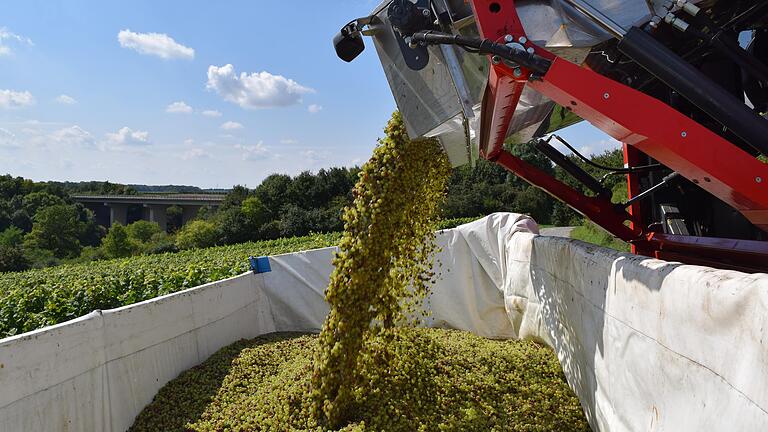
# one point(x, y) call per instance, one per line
point(578, 336)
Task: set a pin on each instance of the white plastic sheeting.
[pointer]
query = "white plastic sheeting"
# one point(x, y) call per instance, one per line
point(96, 373)
point(647, 345)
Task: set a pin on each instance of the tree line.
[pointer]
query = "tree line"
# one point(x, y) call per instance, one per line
point(41, 226)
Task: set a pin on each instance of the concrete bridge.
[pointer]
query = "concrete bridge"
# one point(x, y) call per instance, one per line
point(125, 209)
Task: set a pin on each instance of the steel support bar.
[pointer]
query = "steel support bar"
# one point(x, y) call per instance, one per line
point(655, 128)
point(742, 255)
point(598, 209)
point(499, 102)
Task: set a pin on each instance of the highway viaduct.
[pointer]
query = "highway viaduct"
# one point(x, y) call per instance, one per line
point(125, 209)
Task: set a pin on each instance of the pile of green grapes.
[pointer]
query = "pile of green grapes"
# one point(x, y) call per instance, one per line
point(370, 368)
point(433, 380)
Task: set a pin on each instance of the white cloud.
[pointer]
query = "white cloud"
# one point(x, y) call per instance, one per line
point(189, 141)
point(178, 107)
point(156, 44)
point(211, 113)
point(313, 156)
point(127, 136)
point(6, 36)
point(72, 136)
point(255, 90)
point(253, 152)
point(8, 139)
point(314, 108)
point(230, 125)
point(14, 99)
point(289, 141)
point(66, 100)
point(195, 153)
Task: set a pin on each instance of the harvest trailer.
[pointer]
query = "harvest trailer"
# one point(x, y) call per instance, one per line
point(668, 79)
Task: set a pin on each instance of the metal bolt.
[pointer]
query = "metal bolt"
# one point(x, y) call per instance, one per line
point(531, 50)
point(509, 38)
point(606, 96)
point(684, 134)
point(495, 59)
point(517, 73)
point(758, 179)
point(425, 12)
point(523, 39)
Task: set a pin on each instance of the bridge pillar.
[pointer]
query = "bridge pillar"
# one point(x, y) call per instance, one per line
point(188, 213)
point(118, 213)
point(158, 214)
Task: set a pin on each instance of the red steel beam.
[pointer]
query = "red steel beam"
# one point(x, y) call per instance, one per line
point(598, 209)
point(661, 132)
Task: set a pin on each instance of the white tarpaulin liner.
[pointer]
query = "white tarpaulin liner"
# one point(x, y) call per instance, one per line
point(647, 345)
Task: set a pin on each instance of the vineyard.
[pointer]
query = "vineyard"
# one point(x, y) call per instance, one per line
point(39, 298)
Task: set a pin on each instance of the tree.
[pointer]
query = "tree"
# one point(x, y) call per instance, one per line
point(143, 231)
point(117, 243)
point(37, 201)
point(235, 197)
point(57, 229)
point(233, 227)
point(21, 219)
point(254, 211)
point(12, 259)
point(91, 233)
point(197, 234)
point(12, 236)
point(273, 193)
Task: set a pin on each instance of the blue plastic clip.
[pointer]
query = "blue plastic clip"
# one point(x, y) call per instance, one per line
point(260, 265)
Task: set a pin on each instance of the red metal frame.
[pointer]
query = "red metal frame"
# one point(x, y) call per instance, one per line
point(644, 124)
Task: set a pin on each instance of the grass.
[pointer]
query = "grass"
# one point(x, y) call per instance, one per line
point(591, 233)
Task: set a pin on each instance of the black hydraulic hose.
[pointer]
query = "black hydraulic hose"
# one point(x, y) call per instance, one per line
point(693, 85)
point(733, 51)
point(530, 61)
point(614, 170)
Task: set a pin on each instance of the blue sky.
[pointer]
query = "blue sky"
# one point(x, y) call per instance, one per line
point(210, 94)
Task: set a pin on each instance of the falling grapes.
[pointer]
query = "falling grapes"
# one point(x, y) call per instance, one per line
point(384, 267)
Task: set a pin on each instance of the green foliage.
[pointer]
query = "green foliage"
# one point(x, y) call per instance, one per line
point(453, 223)
point(142, 231)
point(40, 200)
point(12, 236)
point(40, 258)
point(57, 229)
point(39, 298)
point(118, 243)
point(435, 380)
point(12, 258)
point(197, 234)
point(591, 233)
point(254, 211)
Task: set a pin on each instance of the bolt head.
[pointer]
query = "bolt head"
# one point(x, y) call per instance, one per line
point(517, 73)
point(523, 39)
point(606, 95)
point(495, 60)
point(509, 38)
point(531, 50)
point(758, 179)
point(426, 12)
point(684, 134)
